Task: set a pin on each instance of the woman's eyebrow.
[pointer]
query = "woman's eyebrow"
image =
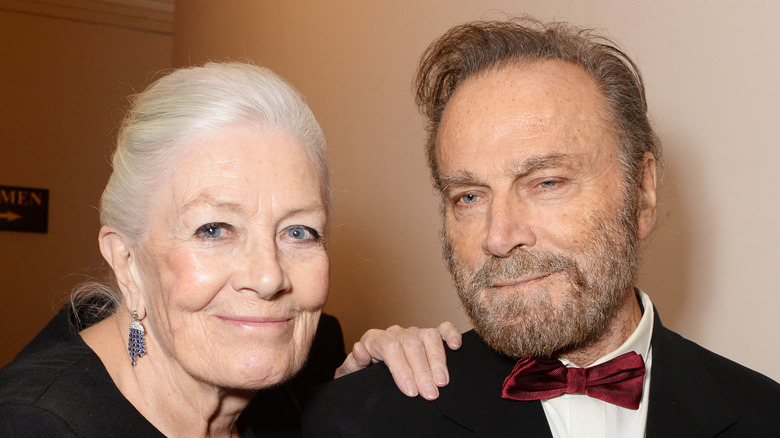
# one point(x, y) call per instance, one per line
point(212, 202)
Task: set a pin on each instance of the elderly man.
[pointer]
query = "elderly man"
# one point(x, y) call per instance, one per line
point(547, 165)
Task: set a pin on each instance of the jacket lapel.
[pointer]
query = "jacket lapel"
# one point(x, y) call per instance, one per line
point(682, 401)
point(478, 407)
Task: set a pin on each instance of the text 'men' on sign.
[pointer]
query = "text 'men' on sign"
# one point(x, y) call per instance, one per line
point(24, 209)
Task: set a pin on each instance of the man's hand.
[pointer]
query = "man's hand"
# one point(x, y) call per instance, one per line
point(415, 356)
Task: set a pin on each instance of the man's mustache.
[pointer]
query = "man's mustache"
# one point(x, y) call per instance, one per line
point(519, 265)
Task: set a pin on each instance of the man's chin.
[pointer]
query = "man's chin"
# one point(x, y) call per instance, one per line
point(538, 333)
point(513, 344)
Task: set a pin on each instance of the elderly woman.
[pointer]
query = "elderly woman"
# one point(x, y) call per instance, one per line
point(214, 224)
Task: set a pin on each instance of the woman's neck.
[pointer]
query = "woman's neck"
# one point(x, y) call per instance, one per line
point(165, 394)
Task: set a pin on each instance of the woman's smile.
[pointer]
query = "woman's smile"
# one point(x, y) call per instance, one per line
point(256, 322)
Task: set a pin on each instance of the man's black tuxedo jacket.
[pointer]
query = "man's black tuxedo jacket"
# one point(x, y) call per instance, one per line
point(693, 393)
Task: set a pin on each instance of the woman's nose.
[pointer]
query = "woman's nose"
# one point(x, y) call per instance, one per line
point(261, 271)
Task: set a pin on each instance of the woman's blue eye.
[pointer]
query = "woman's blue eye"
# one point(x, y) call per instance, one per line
point(301, 233)
point(211, 230)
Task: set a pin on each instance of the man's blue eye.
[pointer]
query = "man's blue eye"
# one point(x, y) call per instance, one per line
point(548, 184)
point(468, 199)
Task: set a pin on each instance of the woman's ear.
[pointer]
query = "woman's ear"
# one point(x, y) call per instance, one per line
point(120, 258)
point(647, 196)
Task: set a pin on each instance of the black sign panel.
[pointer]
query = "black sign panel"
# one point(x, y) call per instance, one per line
point(24, 209)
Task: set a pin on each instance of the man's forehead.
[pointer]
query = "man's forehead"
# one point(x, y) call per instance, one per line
point(544, 108)
point(527, 94)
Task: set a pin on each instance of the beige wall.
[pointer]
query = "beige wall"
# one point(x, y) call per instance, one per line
point(711, 70)
point(66, 71)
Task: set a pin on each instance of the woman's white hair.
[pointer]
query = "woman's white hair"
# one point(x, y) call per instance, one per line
point(188, 103)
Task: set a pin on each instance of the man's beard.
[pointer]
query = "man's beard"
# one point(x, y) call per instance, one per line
point(599, 273)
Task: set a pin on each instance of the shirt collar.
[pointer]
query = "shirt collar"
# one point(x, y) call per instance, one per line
point(639, 341)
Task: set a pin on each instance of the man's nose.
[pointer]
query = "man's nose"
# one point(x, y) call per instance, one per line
point(261, 271)
point(508, 226)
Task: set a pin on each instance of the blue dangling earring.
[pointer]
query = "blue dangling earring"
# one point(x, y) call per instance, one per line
point(135, 344)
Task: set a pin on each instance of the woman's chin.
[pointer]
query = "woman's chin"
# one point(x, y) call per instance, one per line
point(256, 372)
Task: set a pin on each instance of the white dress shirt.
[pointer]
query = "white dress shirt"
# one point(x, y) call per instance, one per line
point(580, 416)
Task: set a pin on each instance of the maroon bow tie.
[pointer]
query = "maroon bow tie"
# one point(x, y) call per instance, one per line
point(618, 381)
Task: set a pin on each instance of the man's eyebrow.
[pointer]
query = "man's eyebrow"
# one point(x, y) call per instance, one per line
point(520, 169)
point(460, 178)
point(542, 162)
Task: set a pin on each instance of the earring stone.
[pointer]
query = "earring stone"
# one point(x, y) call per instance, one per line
point(135, 344)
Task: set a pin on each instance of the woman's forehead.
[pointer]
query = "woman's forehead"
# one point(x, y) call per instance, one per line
point(241, 165)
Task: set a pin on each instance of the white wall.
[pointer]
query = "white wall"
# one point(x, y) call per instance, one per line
point(710, 69)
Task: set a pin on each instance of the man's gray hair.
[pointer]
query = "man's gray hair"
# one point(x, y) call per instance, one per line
point(473, 48)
